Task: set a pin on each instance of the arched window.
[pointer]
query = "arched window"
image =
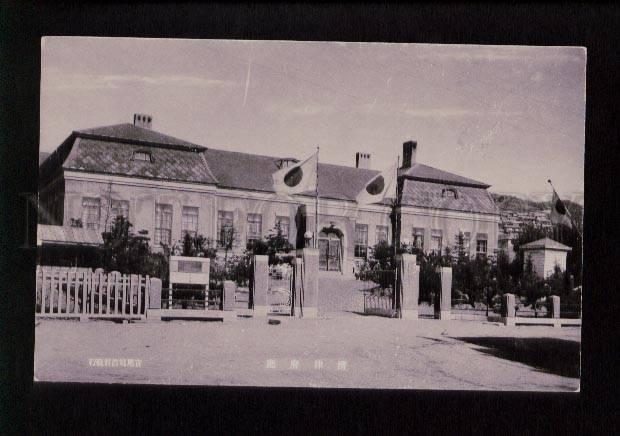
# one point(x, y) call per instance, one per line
point(449, 192)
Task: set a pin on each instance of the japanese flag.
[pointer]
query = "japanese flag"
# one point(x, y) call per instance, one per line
point(559, 213)
point(380, 186)
point(298, 178)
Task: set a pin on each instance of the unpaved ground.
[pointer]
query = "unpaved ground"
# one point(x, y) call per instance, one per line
point(355, 351)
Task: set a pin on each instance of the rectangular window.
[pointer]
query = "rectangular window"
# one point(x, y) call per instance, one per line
point(143, 156)
point(417, 238)
point(163, 224)
point(381, 233)
point(189, 221)
point(285, 225)
point(91, 210)
point(466, 241)
point(118, 208)
point(254, 229)
point(224, 228)
point(361, 240)
point(481, 243)
point(436, 241)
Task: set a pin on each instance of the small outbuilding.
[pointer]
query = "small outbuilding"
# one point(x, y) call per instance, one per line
point(68, 246)
point(546, 254)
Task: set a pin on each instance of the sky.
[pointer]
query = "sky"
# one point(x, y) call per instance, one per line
point(509, 116)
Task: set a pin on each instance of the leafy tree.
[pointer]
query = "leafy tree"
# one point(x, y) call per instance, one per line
point(198, 246)
point(130, 253)
point(273, 245)
point(228, 235)
point(529, 233)
point(532, 286)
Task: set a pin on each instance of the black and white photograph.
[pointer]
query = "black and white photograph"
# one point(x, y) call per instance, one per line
point(310, 214)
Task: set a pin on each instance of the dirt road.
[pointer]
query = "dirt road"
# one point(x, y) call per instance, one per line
point(347, 352)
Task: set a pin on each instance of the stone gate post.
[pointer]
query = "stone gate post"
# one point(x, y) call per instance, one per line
point(261, 285)
point(153, 312)
point(409, 274)
point(229, 295)
point(508, 309)
point(445, 297)
point(554, 306)
point(310, 282)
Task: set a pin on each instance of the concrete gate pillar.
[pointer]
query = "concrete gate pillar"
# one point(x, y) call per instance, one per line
point(229, 295)
point(409, 274)
point(261, 285)
point(508, 309)
point(310, 296)
point(554, 306)
point(445, 297)
point(153, 311)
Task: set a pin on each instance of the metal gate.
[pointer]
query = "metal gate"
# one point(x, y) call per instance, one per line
point(281, 289)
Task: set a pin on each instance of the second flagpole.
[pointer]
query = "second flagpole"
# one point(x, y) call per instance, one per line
point(316, 203)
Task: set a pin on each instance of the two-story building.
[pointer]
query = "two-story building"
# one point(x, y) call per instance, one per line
point(167, 187)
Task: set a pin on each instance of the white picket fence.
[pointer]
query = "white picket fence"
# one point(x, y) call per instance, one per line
point(80, 292)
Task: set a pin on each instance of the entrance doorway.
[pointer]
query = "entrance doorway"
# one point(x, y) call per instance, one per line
point(330, 253)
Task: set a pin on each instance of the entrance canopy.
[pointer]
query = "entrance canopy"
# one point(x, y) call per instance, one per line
point(65, 235)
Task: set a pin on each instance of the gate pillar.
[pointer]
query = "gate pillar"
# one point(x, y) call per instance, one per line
point(554, 306)
point(445, 298)
point(155, 293)
point(310, 296)
point(229, 295)
point(409, 274)
point(261, 285)
point(508, 309)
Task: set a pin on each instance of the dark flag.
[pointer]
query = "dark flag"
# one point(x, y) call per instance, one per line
point(559, 214)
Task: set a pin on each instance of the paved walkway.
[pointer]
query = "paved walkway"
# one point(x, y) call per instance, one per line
point(345, 352)
point(341, 295)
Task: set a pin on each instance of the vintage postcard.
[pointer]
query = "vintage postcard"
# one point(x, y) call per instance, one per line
point(310, 214)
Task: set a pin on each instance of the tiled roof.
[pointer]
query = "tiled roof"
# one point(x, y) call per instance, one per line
point(111, 157)
point(68, 235)
point(424, 172)
point(250, 171)
point(110, 150)
point(129, 132)
point(428, 194)
point(545, 243)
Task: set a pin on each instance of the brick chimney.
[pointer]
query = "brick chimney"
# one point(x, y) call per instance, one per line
point(142, 120)
point(362, 160)
point(409, 153)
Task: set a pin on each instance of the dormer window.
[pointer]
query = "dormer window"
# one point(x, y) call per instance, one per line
point(286, 162)
point(142, 156)
point(449, 192)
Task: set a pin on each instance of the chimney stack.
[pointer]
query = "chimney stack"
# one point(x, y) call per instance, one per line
point(409, 153)
point(142, 120)
point(362, 160)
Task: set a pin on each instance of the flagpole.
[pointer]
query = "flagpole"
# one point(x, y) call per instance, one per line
point(316, 203)
point(567, 211)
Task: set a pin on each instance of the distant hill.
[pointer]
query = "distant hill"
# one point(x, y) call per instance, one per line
point(510, 202)
point(507, 202)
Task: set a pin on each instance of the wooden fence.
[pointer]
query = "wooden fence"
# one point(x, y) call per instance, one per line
point(70, 292)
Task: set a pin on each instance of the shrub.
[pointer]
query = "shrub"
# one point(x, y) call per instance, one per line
point(198, 246)
point(235, 268)
point(130, 253)
point(273, 245)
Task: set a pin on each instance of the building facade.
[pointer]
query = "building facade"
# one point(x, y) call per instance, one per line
point(167, 187)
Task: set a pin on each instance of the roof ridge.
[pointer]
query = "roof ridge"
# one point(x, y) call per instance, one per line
point(466, 180)
point(162, 139)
